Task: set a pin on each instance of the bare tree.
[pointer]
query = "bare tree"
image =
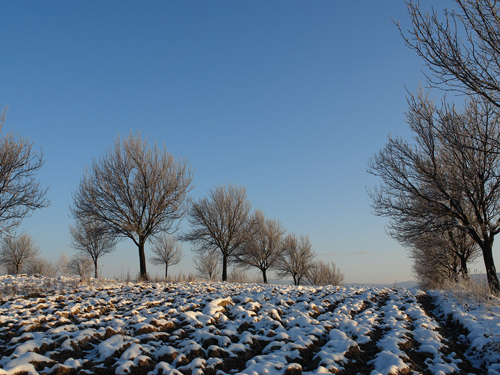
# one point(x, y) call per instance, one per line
point(296, 258)
point(40, 266)
point(262, 250)
point(437, 261)
point(92, 238)
point(442, 256)
point(62, 264)
point(441, 251)
point(16, 252)
point(237, 275)
point(220, 222)
point(322, 273)
point(449, 176)
point(80, 266)
point(168, 252)
point(20, 192)
point(138, 192)
point(461, 48)
point(207, 264)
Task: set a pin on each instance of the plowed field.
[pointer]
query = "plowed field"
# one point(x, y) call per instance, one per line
point(216, 328)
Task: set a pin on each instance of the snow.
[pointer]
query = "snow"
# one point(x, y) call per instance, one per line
point(110, 346)
point(176, 328)
point(23, 363)
point(483, 323)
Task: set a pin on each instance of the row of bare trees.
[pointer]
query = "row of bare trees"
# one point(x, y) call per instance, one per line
point(208, 267)
point(442, 189)
point(20, 255)
point(224, 230)
point(139, 192)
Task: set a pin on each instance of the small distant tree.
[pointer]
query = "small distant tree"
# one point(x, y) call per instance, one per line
point(137, 191)
point(17, 252)
point(80, 266)
point(296, 258)
point(221, 222)
point(322, 273)
point(92, 238)
point(62, 265)
point(237, 275)
point(20, 192)
point(262, 250)
point(167, 252)
point(40, 266)
point(208, 265)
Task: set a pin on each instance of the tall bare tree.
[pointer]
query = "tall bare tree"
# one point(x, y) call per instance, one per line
point(168, 252)
point(220, 222)
point(207, 264)
point(137, 191)
point(92, 238)
point(262, 250)
point(16, 252)
point(296, 258)
point(461, 47)
point(322, 273)
point(451, 174)
point(20, 192)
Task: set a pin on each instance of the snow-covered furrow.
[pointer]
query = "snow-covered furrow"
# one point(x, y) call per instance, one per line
point(429, 346)
point(480, 323)
point(351, 322)
point(209, 328)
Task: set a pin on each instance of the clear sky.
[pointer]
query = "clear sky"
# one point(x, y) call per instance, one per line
point(287, 98)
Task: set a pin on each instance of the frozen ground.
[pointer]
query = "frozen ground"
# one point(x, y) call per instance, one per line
point(56, 326)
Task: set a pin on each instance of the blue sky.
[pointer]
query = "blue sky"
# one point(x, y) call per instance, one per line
point(288, 98)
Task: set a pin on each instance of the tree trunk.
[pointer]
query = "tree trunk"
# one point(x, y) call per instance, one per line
point(166, 271)
point(491, 271)
point(463, 267)
point(142, 261)
point(95, 268)
point(264, 276)
point(224, 267)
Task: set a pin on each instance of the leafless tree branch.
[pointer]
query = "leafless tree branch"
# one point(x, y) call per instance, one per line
point(20, 192)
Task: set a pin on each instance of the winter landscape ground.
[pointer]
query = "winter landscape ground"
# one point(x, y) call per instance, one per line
point(59, 326)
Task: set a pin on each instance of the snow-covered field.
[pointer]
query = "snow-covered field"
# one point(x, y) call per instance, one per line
point(60, 327)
